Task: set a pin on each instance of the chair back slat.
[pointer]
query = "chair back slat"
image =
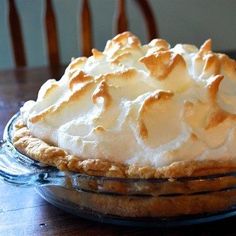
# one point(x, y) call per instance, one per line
point(86, 29)
point(51, 35)
point(146, 9)
point(121, 21)
point(16, 35)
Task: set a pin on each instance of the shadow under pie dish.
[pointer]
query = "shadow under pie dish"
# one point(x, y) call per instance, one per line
point(138, 130)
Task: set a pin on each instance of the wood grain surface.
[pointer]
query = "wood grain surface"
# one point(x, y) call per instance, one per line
point(23, 212)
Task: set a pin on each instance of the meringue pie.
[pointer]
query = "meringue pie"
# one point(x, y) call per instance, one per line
point(139, 111)
point(136, 110)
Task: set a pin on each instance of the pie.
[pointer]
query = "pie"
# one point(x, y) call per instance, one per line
point(139, 111)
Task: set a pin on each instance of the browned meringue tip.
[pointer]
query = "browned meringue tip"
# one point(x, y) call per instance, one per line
point(79, 78)
point(127, 35)
point(57, 108)
point(206, 47)
point(96, 53)
point(76, 63)
point(159, 44)
point(213, 87)
point(162, 63)
point(158, 96)
point(102, 91)
point(212, 64)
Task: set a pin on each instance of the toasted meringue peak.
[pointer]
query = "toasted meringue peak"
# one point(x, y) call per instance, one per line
point(213, 87)
point(156, 97)
point(102, 91)
point(48, 89)
point(206, 47)
point(76, 63)
point(159, 44)
point(77, 78)
point(162, 63)
point(148, 105)
point(96, 53)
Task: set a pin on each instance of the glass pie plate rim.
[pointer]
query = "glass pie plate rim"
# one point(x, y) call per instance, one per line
point(20, 170)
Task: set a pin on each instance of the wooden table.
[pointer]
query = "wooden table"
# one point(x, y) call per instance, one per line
point(23, 212)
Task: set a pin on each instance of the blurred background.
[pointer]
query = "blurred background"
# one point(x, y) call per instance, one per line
point(179, 21)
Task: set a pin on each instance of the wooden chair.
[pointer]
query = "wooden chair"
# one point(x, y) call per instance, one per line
point(121, 24)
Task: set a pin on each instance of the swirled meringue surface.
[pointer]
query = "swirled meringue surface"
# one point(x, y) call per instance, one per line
point(148, 105)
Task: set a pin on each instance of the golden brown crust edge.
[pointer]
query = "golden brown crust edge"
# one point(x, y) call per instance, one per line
point(55, 156)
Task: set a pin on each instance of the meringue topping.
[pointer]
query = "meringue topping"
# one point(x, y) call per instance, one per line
point(148, 105)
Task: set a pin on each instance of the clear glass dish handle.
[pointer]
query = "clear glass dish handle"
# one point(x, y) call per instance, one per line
point(22, 172)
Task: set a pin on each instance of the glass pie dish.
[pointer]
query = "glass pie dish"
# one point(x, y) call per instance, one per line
point(125, 201)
